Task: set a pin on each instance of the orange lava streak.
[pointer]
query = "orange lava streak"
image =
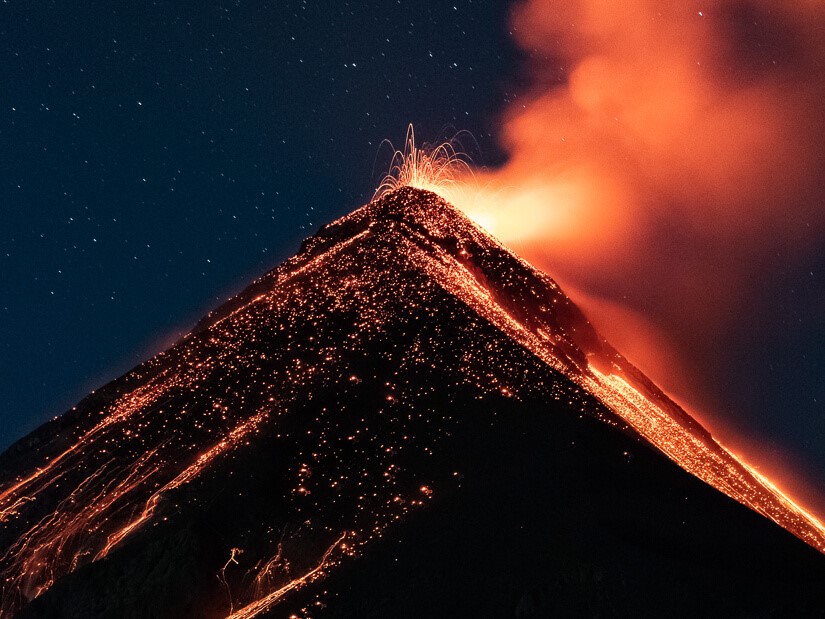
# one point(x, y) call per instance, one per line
point(57, 544)
point(136, 400)
point(784, 498)
point(267, 602)
point(182, 478)
point(288, 275)
point(706, 459)
point(452, 275)
point(9, 499)
point(70, 535)
point(233, 554)
point(263, 579)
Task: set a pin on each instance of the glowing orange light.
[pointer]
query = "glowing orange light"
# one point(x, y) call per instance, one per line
point(705, 457)
point(116, 473)
point(271, 599)
point(441, 169)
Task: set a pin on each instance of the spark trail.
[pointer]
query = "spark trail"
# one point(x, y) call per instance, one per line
point(268, 601)
point(442, 169)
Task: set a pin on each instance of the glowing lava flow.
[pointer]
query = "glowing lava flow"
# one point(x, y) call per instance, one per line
point(11, 499)
point(185, 476)
point(663, 424)
point(58, 544)
point(271, 599)
point(66, 539)
point(339, 369)
point(705, 458)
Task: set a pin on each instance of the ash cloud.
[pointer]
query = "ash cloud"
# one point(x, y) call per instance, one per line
point(667, 166)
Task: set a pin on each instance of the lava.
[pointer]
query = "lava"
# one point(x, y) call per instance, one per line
point(183, 477)
point(666, 159)
point(80, 527)
point(442, 169)
point(319, 375)
point(271, 599)
point(706, 459)
point(560, 211)
point(11, 498)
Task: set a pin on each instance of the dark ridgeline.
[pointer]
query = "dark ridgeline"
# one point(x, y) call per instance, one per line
point(364, 433)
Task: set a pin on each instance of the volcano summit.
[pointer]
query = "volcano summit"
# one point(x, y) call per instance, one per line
point(403, 420)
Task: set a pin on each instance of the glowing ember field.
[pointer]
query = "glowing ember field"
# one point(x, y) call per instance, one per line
point(314, 410)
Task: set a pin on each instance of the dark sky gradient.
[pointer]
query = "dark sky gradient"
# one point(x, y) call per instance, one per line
point(155, 157)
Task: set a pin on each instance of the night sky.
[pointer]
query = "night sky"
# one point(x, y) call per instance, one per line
point(155, 157)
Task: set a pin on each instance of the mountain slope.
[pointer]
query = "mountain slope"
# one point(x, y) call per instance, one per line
point(404, 373)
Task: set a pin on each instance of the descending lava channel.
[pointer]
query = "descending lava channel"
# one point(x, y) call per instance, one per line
point(639, 403)
point(373, 288)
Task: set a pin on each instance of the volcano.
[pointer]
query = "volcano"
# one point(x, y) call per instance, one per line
point(403, 420)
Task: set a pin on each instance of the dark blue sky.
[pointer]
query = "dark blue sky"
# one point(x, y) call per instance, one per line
point(154, 157)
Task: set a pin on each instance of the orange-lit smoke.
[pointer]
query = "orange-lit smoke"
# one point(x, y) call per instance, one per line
point(666, 153)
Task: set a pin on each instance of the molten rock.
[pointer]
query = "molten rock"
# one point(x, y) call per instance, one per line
point(403, 420)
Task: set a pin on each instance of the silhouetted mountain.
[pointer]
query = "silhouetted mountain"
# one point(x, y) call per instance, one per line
point(403, 420)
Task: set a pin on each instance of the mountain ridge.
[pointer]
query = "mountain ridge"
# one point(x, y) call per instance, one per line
point(325, 370)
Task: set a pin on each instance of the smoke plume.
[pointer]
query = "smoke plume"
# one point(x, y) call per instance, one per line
point(666, 165)
point(665, 155)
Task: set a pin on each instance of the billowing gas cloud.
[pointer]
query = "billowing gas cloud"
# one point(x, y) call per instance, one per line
point(667, 161)
point(666, 152)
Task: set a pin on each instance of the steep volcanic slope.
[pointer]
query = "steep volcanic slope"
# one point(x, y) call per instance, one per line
point(401, 377)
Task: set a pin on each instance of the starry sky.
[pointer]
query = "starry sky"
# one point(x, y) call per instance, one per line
point(155, 157)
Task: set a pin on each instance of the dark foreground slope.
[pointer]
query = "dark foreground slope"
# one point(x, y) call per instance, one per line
point(365, 432)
